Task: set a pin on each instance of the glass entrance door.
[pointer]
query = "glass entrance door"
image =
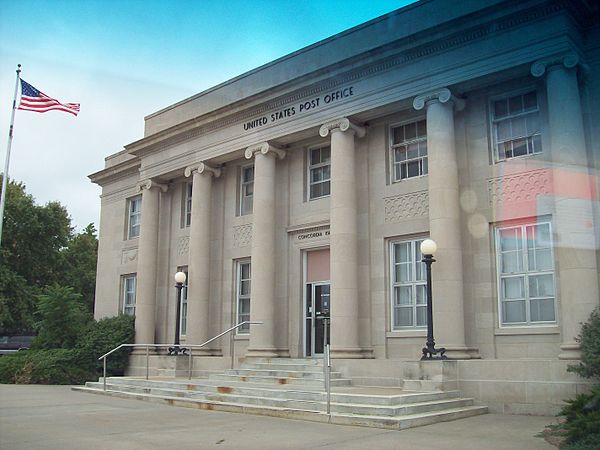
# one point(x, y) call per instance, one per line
point(316, 311)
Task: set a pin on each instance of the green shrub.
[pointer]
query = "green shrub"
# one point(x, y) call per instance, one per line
point(589, 340)
point(104, 335)
point(54, 366)
point(582, 423)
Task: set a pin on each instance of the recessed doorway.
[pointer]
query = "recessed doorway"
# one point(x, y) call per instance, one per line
point(316, 302)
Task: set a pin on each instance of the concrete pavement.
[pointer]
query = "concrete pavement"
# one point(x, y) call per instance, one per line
point(54, 417)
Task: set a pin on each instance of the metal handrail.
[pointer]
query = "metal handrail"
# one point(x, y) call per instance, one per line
point(190, 347)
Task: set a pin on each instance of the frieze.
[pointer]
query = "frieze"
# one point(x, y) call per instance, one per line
point(523, 187)
point(345, 79)
point(404, 207)
point(242, 235)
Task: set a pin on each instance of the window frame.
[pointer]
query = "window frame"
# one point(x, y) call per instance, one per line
point(239, 297)
point(414, 284)
point(493, 121)
point(423, 160)
point(525, 273)
point(310, 167)
point(130, 214)
point(125, 305)
point(242, 198)
point(186, 219)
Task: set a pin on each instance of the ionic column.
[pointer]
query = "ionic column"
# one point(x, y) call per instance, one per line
point(262, 302)
point(199, 256)
point(575, 246)
point(444, 221)
point(145, 302)
point(343, 239)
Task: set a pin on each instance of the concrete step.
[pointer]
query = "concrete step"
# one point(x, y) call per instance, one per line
point(277, 361)
point(315, 382)
point(312, 375)
point(399, 422)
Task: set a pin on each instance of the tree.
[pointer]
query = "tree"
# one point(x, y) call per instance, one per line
point(80, 259)
point(62, 318)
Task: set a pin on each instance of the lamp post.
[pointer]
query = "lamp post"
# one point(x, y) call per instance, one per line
point(428, 248)
point(179, 282)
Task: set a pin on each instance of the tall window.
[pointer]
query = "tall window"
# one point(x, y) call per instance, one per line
point(409, 285)
point(128, 286)
point(184, 297)
point(134, 217)
point(319, 172)
point(243, 289)
point(246, 190)
point(525, 274)
point(409, 150)
point(187, 204)
point(516, 126)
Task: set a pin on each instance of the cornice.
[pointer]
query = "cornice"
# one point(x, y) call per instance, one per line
point(199, 126)
point(150, 184)
point(264, 148)
point(202, 168)
point(342, 124)
point(116, 172)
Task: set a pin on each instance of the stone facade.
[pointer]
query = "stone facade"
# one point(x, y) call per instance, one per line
point(471, 123)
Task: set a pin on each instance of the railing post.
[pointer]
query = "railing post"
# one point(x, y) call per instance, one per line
point(147, 359)
point(190, 362)
point(104, 377)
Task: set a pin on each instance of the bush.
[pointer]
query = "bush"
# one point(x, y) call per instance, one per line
point(55, 366)
point(582, 423)
point(104, 335)
point(76, 365)
point(589, 340)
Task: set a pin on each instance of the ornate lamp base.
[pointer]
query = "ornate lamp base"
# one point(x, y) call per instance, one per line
point(176, 350)
point(431, 353)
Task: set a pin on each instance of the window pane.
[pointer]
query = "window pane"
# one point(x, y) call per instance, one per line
point(400, 153)
point(316, 191)
point(515, 104)
point(410, 131)
point(503, 130)
point(541, 286)
point(510, 239)
point(513, 312)
point(519, 147)
point(245, 271)
point(315, 156)
point(532, 124)
point(518, 127)
point(413, 151)
point(413, 169)
point(422, 128)
point(500, 108)
point(398, 135)
point(421, 316)
point(511, 262)
point(542, 310)
point(421, 294)
point(512, 288)
point(325, 154)
point(530, 101)
point(425, 167)
point(326, 188)
point(403, 295)
point(316, 175)
point(404, 317)
point(537, 143)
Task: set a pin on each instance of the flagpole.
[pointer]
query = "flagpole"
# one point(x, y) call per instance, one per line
point(7, 161)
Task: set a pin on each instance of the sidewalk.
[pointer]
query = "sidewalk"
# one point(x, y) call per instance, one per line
point(54, 417)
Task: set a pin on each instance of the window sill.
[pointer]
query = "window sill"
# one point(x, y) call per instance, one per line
point(552, 329)
point(241, 337)
point(406, 334)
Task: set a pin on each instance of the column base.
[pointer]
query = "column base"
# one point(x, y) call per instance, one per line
point(570, 351)
point(267, 353)
point(462, 352)
point(352, 353)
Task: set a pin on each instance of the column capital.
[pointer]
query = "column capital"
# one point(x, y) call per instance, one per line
point(443, 95)
point(341, 124)
point(264, 148)
point(567, 60)
point(149, 184)
point(202, 168)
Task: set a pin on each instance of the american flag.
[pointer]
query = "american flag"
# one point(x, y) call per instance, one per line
point(34, 100)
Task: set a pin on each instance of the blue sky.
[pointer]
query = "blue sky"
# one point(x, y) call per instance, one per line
point(124, 59)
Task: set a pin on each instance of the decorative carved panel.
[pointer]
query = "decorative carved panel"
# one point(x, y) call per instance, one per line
point(523, 187)
point(242, 235)
point(183, 245)
point(408, 206)
point(128, 255)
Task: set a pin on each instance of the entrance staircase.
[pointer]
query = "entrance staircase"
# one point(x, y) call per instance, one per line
point(294, 388)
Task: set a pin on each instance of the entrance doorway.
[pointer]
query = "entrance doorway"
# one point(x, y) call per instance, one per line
point(316, 302)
